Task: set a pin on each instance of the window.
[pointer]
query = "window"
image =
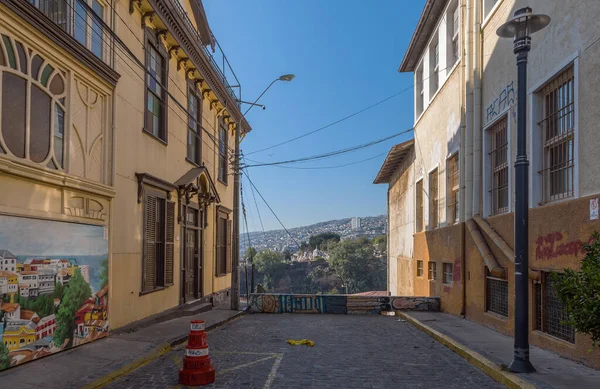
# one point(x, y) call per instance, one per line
point(550, 312)
point(159, 230)
point(496, 295)
point(223, 152)
point(419, 196)
point(419, 94)
point(434, 66)
point(432, 267)
point(194, 139)
point(453, 185)
point(499, 166)
point(223, 263)
point(87, 28)
point(156, 93)
point(448, 273)
point(453, 27)
point(35, 134)
point(558, 137)
point(419, 268)
point(433, 200)
point(488, 5)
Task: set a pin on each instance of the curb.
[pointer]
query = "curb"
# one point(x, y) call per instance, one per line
point(161, 350)
point(510, 380)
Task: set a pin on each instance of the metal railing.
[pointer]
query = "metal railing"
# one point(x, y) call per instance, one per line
point(217, 57)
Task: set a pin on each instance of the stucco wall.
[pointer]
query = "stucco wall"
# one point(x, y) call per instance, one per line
point(401, 227)
point(138, 152)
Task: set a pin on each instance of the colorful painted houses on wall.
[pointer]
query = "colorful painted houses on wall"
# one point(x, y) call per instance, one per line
point(8, 261)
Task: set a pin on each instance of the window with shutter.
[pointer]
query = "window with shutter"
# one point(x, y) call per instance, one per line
point(169, 243)
point(158, 246)
point(149, 257)
point(228, 254)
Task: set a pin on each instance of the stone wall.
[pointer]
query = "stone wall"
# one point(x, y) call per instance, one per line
point(338, 304)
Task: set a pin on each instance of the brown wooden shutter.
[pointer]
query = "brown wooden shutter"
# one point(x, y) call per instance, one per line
point(228, 253)
point(169, 243)
point(149, 257)
point(218, 254)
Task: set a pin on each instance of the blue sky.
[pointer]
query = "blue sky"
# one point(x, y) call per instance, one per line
point(345, 55)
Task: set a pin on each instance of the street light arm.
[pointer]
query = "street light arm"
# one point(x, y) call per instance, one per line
point(261, 95)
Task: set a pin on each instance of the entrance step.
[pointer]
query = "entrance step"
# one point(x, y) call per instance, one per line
point(196, 308)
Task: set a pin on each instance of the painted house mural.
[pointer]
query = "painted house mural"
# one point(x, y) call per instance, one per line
point(53, 287)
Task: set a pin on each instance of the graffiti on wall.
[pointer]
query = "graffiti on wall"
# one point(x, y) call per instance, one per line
point(555, 245)
point(338, 304)
point(53, 287)
point(505, 99)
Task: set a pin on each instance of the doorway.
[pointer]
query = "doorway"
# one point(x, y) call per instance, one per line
point(192, 254)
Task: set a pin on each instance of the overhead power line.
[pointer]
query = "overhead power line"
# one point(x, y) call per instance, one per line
point(331, 167)
point(331, 153)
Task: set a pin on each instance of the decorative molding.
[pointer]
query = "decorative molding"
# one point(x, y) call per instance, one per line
point(161, 33)
point(148, 179)
point(174, 51)
point(65, 41)
point(150, 17)
point(86, 207)
point(181, 63)
point(132, 3)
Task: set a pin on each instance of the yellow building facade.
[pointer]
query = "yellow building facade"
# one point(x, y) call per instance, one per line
point(17, 337)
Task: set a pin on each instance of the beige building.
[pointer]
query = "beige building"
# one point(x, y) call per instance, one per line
point(461, 214)
point(118, 128)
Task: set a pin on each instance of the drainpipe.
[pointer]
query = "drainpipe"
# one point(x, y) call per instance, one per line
point(468, 205)
point(477, 109)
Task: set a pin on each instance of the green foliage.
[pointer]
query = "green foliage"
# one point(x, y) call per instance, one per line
point(267, 263)
point(250, 254)
point(579, 290)
point(104, 273)
point(76, 292)
point(4, 358)
point(317, 241)
point(59, 291)
point(287, 255)
point(380, 242)
point(354, 261)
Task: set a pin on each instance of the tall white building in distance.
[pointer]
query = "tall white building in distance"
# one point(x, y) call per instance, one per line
point(356, 223)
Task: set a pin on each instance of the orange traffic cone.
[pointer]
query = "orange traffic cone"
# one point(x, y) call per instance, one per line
point(197, 369)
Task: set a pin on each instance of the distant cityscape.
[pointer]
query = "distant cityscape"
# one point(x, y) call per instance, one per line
point(279, 240)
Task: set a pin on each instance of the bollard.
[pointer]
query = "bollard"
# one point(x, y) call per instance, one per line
point(197, 369)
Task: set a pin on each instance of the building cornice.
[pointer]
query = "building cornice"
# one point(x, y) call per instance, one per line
point(65, 41)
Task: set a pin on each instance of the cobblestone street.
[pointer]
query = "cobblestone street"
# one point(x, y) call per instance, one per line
point(350, 352)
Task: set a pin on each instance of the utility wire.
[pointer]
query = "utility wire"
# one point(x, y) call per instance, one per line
point(271, 209)
point(331, 167)
point(331, 153)
point(346, 117)
point(255, 202)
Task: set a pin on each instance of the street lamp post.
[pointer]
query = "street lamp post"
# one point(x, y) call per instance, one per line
point(235, 284)
point(519, 28)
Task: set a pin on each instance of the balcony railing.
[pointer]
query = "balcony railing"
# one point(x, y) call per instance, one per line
point(216, 56)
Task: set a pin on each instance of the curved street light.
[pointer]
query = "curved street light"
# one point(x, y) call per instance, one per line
point(524, 23)
point(285, 77)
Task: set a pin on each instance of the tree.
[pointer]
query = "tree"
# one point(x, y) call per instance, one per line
point(250, 254)
point(287, 255)
point(579, 290)
point(381, 243)
point(59, 291)
point(267, 263)
point(354, 261)
point(104, 273)
point(76, 292)
point(315, 241)
point(4, 358)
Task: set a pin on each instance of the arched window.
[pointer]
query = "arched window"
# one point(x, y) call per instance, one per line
point(33, 93)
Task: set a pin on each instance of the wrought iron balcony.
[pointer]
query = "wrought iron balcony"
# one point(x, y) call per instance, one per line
point(215, 55)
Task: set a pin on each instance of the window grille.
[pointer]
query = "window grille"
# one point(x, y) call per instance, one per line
point(499, 166)
point(432, 270)
point(496, 295)
point(419, 196)
point(453, 185)
point(419, 268)
point(551, 313)
point(434, 199)
point(558, 137)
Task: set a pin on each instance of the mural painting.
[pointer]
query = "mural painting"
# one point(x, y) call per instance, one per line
point(53, 287)
point(338, 304)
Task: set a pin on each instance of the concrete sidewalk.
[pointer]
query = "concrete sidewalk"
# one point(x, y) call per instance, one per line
point(553, 371)
point(92, 365)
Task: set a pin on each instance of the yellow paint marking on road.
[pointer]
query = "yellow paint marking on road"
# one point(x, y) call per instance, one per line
point(246, 364)
point(273, 372)
point(242, 353)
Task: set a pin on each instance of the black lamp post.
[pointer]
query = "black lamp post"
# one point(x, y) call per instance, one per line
point(519, 28)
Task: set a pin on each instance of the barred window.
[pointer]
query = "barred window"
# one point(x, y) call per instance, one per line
point(194, 139)
point(419, 268)
point(432, 270)
point(550, 312)
point(499, 166)
point(496, 295)
point(433, 199)
point(223, 154)
point(558, 137)
point(448, 273)
point(453, 186)
point(434, 65)
point(419, 196)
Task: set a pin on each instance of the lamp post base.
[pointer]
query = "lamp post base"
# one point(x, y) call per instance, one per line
point(521, 366)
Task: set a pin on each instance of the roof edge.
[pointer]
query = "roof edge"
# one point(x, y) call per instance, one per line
point(384, 176)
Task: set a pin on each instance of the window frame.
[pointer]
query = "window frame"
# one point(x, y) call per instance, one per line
point(540, 311)
point(489, 277)
point(223, 159)
point(496, 167)
point(197, 135)
point(420, 268)
point(419, 206)
point(447, 277)
point(453, 191)
point(152, 41)
point(432, 270)
point(223, 254)
point(434, 199)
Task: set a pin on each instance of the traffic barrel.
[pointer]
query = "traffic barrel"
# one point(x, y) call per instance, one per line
point(197, 369)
